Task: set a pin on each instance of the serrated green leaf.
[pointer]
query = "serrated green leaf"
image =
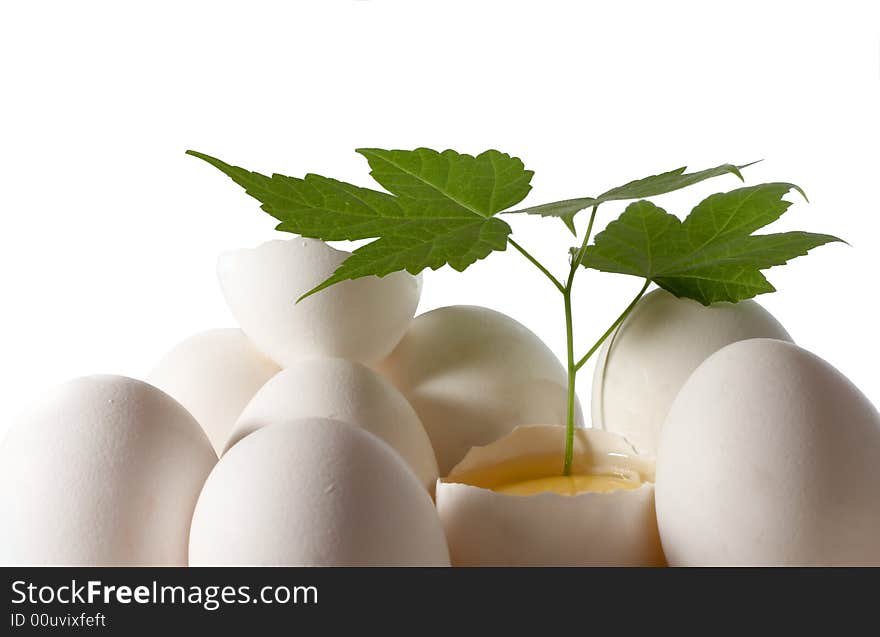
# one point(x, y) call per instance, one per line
point(717, 285)
point(738, 212)
point(711, 256)
point(640, 241)
point(458, 246)
point(483, 185)
point(668, 182)
point(639, 189)
point(316, 206)
point(440, 210)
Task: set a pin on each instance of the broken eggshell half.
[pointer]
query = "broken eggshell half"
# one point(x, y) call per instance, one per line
point(360, 320)
point(488, 528)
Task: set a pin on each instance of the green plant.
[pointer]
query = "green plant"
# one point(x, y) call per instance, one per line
point(442, 208)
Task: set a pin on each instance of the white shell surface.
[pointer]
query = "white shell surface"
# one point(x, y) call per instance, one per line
point(473, 374)
point(105, 471)
point(487, 528)
point(214, 374)
point(349, 392)
point(641, 368)
point(315, 493)
point(360, 320)
point(769, 456)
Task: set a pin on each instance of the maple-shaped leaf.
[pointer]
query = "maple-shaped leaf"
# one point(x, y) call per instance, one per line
point(439, 208)
point(711, 256)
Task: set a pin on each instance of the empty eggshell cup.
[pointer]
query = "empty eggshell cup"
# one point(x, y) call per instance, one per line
point(361, 320)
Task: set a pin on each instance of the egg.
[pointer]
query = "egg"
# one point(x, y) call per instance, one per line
point(640, 369)
point(473, 374)
point(318, 492)
point(361, 320)
point(507, 504)
point(105, 471)
point(214, 374)
point(769, 456)
point(349, 392)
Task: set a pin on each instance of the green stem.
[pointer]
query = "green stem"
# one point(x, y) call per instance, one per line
point(569, 340)
point(572, 375)
point(579, 257)
point(614, 326)
point(537, 264)
point(573, 366)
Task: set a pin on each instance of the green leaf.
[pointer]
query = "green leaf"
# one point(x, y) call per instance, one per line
point(483, 185)
point(712, 256)
point(317, 206)
point(668, 182)
point(638, 189)
point(457, 245)
point(740, 211)
point(440, 210)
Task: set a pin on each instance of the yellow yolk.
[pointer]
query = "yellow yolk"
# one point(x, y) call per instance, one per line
point(568, 485)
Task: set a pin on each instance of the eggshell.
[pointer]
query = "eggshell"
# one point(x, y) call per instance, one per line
point(360, 320)
point(345, 391)
point(642, 366)
point(105, 471)
point(315, 493)
point(487, 528)
point(769, 456)
point(214, 374)
point(473, 374)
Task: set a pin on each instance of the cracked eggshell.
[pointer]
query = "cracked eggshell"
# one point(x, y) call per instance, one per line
point(360, 320)
point(473, 374)
point(487, 528)
point(349, 392)
point(214, 374)
point(769, 456)
point(315, 493)
point(105, 471)
point(640, 369)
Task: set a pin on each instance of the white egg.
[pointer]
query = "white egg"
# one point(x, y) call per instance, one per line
point(105, 471)
point(488, 527)
point(214, 374)
point(472, 375)
point(315, 493)
point(360, 320)
point(643, 365)
point(769, 456)
point(349, 392)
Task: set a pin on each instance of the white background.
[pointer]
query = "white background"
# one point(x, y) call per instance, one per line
point(110, 233)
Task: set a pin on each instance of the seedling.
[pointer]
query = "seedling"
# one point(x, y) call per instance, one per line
point(442, 208)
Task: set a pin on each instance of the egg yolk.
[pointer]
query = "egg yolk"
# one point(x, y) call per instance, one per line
point(568, 485)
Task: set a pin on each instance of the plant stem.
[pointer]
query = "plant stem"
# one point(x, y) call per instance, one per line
point(573, 366)
point(579, 257)
point(537, 264)
point(614, 326)
point(572, 375)
point(569, 339)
